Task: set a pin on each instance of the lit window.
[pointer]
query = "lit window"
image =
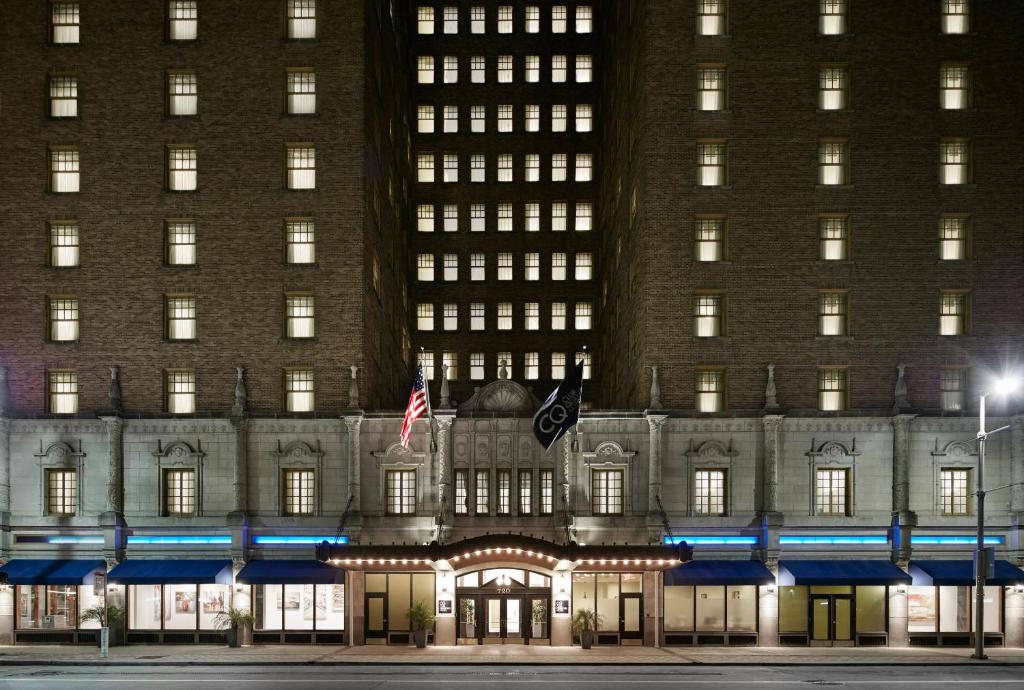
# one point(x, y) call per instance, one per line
point(425, 69)
point(584, 357)
point(531, 166)
point(63, 392)
point(558, 265)
point(710, 390)
point(478, 217)
point(451, 360)
point(711, 164)
point(559, 68)
point(953, 388)
point(532, 19)
point(181, 317)
point(547, 491)
point(558, 118)
point(451, 20)
point(584, 117)
point(833, 88)
point(300, 316)
point(956, 18)
point(709, 492)
point(63, 319)
point(531, 316)
point(63, 96)
point(181, 391)
point(299, 390)
point(504, 69)
point(584, 19)
point(504, 217)
point(532, 68)
point(179, 492)
point(584, 69)
point(425, 361)
point(483, 502)
point(953, 234)
point(832, 313)
point(183, 94)
point(425, 213)
point(450, 317)
point(558, 167)
point(832, 389)
point(558, 213)
point(478, 70)
point(525, 506)
point(834, 236)
point(461, 492)
point(504, 19)
point(504, 118)
point(181, 168)
point(711, 88)
point(477, 168)
point(64, 244)
point(505, 167)
point(955, 158)
point(505, 266)
point(955, 491)
point(298, 492)
point(504, 316)
point(504, 492)
point(606, 492)
point(181, 243)
point(301, 163)
point(954, 87)
point(531, 209)
point(301, 19)
point(451, 167)
point(424, 317)
point(707, 315)
point(559, 15)
point(183, 20)
point(478, 119)
point(61, 492)
point(531, 118)
point(400, 492)
point(832, 17)
point(65, 22)
point(709, 239)
point(451, 69)
point(953, 313)
point(451, 218)
point(476, 316)
point(425, 267)
point(584, 216)
point(504, 362)
point(584, 265)
point(477, 267)
point(65, 170)
point(711, 17)
point(425, 20)
point(425, 119)
point(451, 267)
point(531, 266)
point(833, 163)
point(584, 314)
point(477, 20)
point(425, 167)
point(558, 315)
point(831, 492)
point(476, 366)
point(584, 167)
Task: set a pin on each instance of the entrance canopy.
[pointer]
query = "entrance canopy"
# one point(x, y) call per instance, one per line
point(961, 573)
point(719, 573)
point(33, 571)
point(172, 572)
point(841, 573)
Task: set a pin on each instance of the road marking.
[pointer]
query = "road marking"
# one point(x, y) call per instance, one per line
point(477, 681)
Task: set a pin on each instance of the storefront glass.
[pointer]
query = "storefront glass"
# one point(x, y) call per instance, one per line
point(871, 616)
point(793, 609)
point(299, 607)
point(678, 608)
point(176, 606)
point(950, 609)
point(710, 600)
point(583, 591)
point(401, 591)
point(711, 608)
point(741, 608)
point(608, 601)
point(47, 607)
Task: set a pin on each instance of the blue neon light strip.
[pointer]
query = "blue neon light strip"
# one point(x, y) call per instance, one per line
point(166, 539)
point(950, 540)
point(74, 539)
point(294, 539)
point(712, 540)
point(859, 539)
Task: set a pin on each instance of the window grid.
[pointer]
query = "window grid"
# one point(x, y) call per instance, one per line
point(832, 389)
point(61, 492)
point(547, 491)
point(711, 88)
point(477, 368)
point(525, 492)
point(954, 87)
point(832, 19)
point(179, 492)
point(301, 19)
point(833, 236)
point(832, 88)
point(182, 168)
point(63, 96)
point(955, 16)
point(504, 492)
point(711, 17)
point(300, 315)
point(830, 496)
point(708, 316)
point(710, 390)
point(832, 163)
point(298, 492)
point(300, 390)
point(955, 491)
point(504, 313)
point(482, 492)
point(709, 492)
point(451, 360)
point(531, 366)
point(709, 236)
point(63, 319)
point(181, 318)
point(181, 243)
point(557, 366)
point(953, 388)
point(64, 244)
point(63, 392)
point(953, 313)
point(64, 170)
point(183, 18)
point(606, 492)
point(832, 313)
point(711, 164)
point(301, 239)
point(181, 392)
point(65, 22)
point(301, 92)
point(301, 165)
point(954, 161)
point(400, 498)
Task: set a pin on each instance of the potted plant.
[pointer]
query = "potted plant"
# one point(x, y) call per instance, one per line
point(584, 623)
point(539, 616)
point(468, 618)
point(108, 616)
point(420, 618)
point(233, 622)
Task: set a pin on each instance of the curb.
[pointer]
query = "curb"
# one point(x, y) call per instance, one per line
point(411, 663)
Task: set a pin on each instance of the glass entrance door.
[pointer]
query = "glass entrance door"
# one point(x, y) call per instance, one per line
point(376, 619)
point(494, 622)
point(513, 621)
point(831, 619)
point(504, 620)
point(631, 616)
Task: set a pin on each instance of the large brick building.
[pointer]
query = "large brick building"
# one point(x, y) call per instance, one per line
point(787, 236)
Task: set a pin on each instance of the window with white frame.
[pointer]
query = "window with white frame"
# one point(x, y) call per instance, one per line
point(505, 167)
point(531, 212)
point(954, 161)
point(425, 212)
point(504, 19)
point(477, 267)
point(532, 25)
point(62, 392)
point(707, 316)
point(559, 68)
point(953, 313)
point(180, 391)
point(424, 317)
point(606, 491)
point(451, 20)
point(531, 118)
point(584, 167)
point(477, 366)
point(953, 238)
point(709, 239)
point(478, 119)
point(584, 69)
point(586, 358)
point(65, 23)
point(451, 360)
point(425, 69)
point(300, 316)
point(63, 96)
point(558, 215)
point(298, 489)
point(558, 117)
point(531, 66)
point(584, 316)
point(301, 165)
point(300, 236)
point(709, 492)
point(584, 216)
point(559, 16)
point(711, 163)
point(63, 318)
point(450, 318)
point(451, 168)
point(559, 163)
point(425, 167)
point(833, 235)
point(954, 87)
point(531, 366)
point(61, 492)
point(710, 390)
point(833, 87)
point(832, 307)
point(584, 265)
point(425, 361)
point(182, 20)
point(547, 491)
point(505, 266)
point(301, 19)
point(504, 312)
point(956, 16)
point(451, 267)
point(181, 317)
point(832, 389)
point(953, 388)
point(476, 316)
point(299, 390)
point(425, 21)
point(558, 316)
point(451, 119)
point(584, 117)
point(531, 167)
point(559, 261)
point(451, 69)
point(504, 69)
point(478, 70)
point(504, 217)
point(400, 492)
point(65, 243)
point(483, 502)
point(477, 168)
point(711, 17)
point(65, 170)
point(477, 20)
point(832, 17)
point(451, 218)
point(179, 492)
point(461, 492)
point(504, 118)
point(955, 485)
point(832, 492)
point(424, 267)
point(833, 162)
point(531, 316)
point(301, 90)
point(181, 243)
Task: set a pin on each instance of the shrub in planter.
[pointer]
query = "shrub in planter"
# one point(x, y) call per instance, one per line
point(539, 616)
point(233, 622)
point(420, 618)
point(468, 618)
point(584, 623)
point(108, 616)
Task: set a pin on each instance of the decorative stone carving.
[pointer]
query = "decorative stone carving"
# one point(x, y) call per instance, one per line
point(446, 401)
point(115, 464)
point(502, 395)
point(353, 388)
point(655, 422)
point(772, 427)
point(352, 425)
point(900, 392)
point(241, 395)
point(114, 390)
point(771, 401)
point(503, 369)
point(901, 462)
point(444, 426)
point(655, 389)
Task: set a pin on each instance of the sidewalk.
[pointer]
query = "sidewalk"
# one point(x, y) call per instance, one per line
point(214, 655)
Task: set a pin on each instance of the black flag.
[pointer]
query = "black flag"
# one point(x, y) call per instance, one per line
point(561, 410)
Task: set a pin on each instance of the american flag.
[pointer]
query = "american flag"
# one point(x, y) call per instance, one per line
point(417, 406)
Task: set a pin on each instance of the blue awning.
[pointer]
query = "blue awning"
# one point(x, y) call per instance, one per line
point(961, 573)
point(37, 571)
point(172, 572)
point(285, 572)
point(719, 573)
point(841, 573)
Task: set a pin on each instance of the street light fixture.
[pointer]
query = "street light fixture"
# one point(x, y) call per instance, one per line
point(1003, 386)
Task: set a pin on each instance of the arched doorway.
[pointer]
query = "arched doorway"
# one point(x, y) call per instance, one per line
point(503, 605)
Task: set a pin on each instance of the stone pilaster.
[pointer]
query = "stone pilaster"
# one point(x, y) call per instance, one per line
point(241, 479)
point(655, 517)
point(903, 520)
point(771, 518)
point(444, 474)
point(115, 464)
point(352, 424)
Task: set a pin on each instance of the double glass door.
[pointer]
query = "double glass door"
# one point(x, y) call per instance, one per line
point(831, 619)
point(503, 618)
